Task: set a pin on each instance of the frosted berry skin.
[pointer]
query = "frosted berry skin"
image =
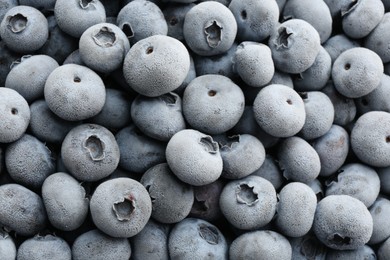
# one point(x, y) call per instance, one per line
point(270, 171)
point(90, 152)
point(44, 247)
point(384, 250)
point(74, 92)
point(376, 39)
point(24, 29)
point(370, 138)
point(194, 157)
point(209, 28)
point(174, 16)
point(364, 252)
point(342, 222)
point(337, 44)
point(379, 210)
point(162, 65)
point(7, 246)
point(307, 247)
point(377, 99)
point(7, 4)
point(120, 207)
point(248, 203)
point(295, 45)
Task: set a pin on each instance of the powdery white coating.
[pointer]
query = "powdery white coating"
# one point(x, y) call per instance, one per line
point(94, 244)
point(174, 16)
point(27, 78)
point(384, 250)
point(44, 247)
point(15, 115)
point(209, 28)
point(342, 222)
point(24, 29)
point(261, 244)
point(282, 78)
point(213, 103)
point(120, 207)
point(357, 72)
point(241, 155)
point(307, 247)
point(75, 16)
point(279, 110)
point(21, 210)
point(74, 92)
point(376, 100)
point(248, 203)
point(158, 117)
point(172, 199)
point(333, 149)
point(337, 44)
point(156, 65)
point(190, 76)
point(29, 161)
point(384, 176)
point(253, 62)
point(65, 201)
point(103, 47)
point(90, 152)
point(138, 151)
point(365, 252)
point(7, 247)
point(377, 39)
point(295, 209)
point(194, 157)
point(295, 45)
point(270, 171)
point(298, 160)
point(75, 58)
point(319, 115)
point(337, 6)
point(370, 138)
point(255, 19)
point(380, 211)
point(356, 180)
point(6, 5)
point(196, 239)
point(361, 17)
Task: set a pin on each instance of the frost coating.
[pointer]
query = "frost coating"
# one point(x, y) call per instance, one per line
point(105, 37)
point(209, 145)
point(17, 23)
point(209, 233)
point(96, 147)
point(213, 34)
point(246, 195)
point(124, 209)
point(230, 142)
point(283, 39)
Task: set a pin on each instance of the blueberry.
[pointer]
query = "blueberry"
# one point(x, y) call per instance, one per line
point(279, 110)
point(171, 198)
point(74, 92)
point(7, 246)
point(27, 78)
point(364, 252)
point(342, 222)
point(190, 76)
point(44, 247)
point(42, 5)
point(74, 58)
point(196, 239)
point(336, 7)
point(282, 78)
point(248, 203)
point(120, 207)
point(374, 41)
point(384, 250)
point(380, 211)
point(370, 138)
point(377, 99)
point(162, 65)
point(307, 247)
point(337, 44)
point(94, 244)
point(270, 171)
point(384, 176)
point(5, 6)
point(174, 16)
point(90, 152)
point(21, 210)
point(209, 28)
point(15, 115)
point(261, 244)
point(24, 29)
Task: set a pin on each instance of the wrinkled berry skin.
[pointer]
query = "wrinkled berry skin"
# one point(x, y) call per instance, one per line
point(44, 247)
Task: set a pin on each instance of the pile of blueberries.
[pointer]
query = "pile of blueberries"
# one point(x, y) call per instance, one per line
point(183, 129)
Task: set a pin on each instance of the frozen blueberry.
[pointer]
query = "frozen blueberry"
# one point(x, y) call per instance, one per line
point(209, 28)
point(342, 222)
point(384, 176)
point(74, 58)
point(74, 17)
point(376, 40)
point(171, 198)
point(42, 5)
point(248, 203)
point(295, 45)
point(90, 152)
point(15, 115)
point(74, 92)
point(370, 138)
point(65, 201)
point(365, 252)
point(140, 19)
point(380, 211)
point(356, 180)
point(27, 78)
point(94, 244)
point(270, 171)
point(139, 152)
point(21, 210)
point(357, 72)
point(190, 76)
point(282, 78)
point(158, 117)
point(253, 62)
point(384, 250)
point(332, 148)
point(29, 161)
point(337, 6)
point(298, 160)
point(194, 157)
point(337, 44)
point(162, 64)
point(307, 247)
point(279, 110)
point(376, 100)
point(255, 19)
point(44, 247)
point(196, 239)
point(174, 15)
point(24, 29)
point(5, 6)
point(261, 244)
point(213, 103)
point(7, 246)
point(120, 207)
